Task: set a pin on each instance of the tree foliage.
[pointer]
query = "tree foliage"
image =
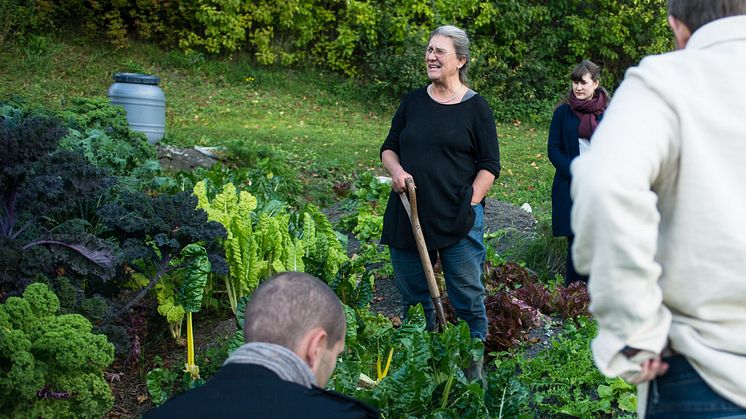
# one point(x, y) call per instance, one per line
point(522, 50)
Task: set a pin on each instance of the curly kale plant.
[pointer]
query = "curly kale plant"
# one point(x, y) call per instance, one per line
point(50, 365)
point(153, 232)
point(100, 131)
point(49, 199)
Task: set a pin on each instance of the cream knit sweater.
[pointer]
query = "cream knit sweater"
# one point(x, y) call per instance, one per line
point(659, 211)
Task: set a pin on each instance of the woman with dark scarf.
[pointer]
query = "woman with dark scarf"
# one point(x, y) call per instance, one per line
point(570, 135)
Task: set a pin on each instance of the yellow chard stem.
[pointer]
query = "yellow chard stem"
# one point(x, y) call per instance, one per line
point(190, 341)
point(385, 372)
point(191, 367)
point(388, 363)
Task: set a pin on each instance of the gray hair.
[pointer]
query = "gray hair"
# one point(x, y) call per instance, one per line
point(288, 305)
point(697, 13)
point(460, 43)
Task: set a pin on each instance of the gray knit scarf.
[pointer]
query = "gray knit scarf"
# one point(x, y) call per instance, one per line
point(278, 359)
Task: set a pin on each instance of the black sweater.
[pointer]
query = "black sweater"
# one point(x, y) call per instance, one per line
point(442, 147)
point(252, 391)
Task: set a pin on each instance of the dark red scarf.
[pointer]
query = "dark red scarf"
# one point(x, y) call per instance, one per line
point(588, 111)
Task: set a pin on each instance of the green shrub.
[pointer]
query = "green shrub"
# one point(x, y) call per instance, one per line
point(52, 365)
point(522, 50)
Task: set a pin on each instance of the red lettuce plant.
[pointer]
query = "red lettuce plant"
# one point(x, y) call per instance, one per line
point(516, 302)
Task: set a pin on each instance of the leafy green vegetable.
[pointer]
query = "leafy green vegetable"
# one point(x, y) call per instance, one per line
point(48, 199)
point(324, 254)
point(234, 210)
point(180, 290)
point(52, 364)
point(426, 377)
point(353, 284)
point(563, 380)
point(101, 132)
point(154, 231)
point(159, 381)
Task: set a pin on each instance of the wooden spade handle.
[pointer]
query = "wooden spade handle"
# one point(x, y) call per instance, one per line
point(419, 238)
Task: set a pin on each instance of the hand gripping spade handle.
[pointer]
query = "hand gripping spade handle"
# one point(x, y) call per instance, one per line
point(409, 200)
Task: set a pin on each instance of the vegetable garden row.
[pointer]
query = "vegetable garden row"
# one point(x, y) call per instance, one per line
point(96, 242)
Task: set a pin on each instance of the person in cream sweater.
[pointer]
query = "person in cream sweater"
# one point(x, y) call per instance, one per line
point(659, 204)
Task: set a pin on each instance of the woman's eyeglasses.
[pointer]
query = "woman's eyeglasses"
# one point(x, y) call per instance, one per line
point(439, 53)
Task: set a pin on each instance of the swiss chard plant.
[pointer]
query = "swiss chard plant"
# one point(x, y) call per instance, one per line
point(234, 210)
point(425, 375)
point(324, 254)
point(179, 292)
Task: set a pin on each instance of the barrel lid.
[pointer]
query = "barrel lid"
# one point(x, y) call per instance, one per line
point(136, 78)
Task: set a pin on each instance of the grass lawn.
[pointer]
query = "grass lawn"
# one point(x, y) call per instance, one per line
point(323, 122)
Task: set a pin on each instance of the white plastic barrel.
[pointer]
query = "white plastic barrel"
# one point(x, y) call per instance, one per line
point(144, 102)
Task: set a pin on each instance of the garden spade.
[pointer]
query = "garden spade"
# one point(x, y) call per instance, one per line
point(409, 200)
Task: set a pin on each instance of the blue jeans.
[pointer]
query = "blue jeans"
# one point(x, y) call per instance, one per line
point(682, 393)
point(462, 267)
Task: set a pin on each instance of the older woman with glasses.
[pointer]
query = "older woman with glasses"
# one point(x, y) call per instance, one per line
point(443, 137)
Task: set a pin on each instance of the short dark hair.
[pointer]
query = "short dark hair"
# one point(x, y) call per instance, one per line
point(697, 13)
point(286, 306)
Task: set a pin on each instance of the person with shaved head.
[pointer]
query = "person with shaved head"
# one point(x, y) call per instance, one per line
point(294, 329)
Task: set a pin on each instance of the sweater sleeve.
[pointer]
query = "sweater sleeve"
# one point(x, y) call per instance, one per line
point(398, 122)
point(485, 132)
point(559, 158)
point(615, 219)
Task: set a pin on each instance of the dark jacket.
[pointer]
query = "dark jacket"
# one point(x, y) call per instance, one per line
point(443, 147)
point(562, 147)
point(252, 391)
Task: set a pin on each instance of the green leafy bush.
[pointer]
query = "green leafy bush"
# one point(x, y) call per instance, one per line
point(51, 365)
point(522, 50)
